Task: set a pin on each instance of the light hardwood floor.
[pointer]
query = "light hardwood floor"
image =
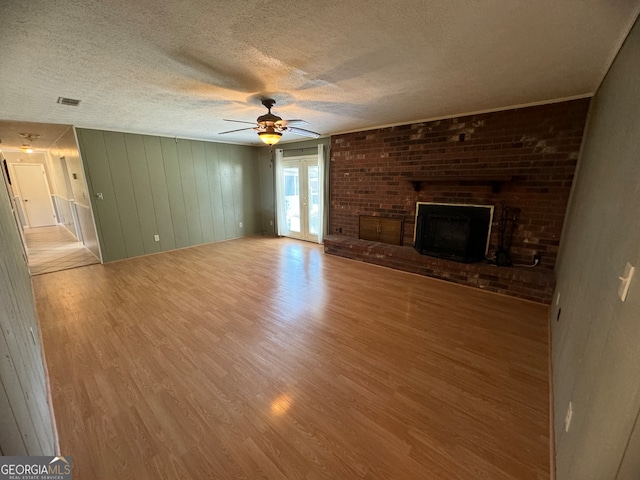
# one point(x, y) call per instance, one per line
point(54, 248)
point(265, 358)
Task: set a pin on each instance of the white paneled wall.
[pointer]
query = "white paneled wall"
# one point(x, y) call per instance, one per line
point(26, 423)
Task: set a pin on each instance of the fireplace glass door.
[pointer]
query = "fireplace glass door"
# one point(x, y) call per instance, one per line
point(455, 232)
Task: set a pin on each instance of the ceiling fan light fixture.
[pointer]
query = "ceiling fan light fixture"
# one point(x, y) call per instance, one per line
point(270, 136)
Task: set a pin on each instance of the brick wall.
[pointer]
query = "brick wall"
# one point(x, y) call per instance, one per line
point(537, 145)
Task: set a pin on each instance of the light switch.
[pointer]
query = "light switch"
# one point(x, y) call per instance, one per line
point(625, 281)
point(567, 418)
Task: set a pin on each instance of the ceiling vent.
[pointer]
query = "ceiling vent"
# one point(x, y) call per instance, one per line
point(72, 102)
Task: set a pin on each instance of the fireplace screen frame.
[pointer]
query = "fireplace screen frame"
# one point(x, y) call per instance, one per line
point(473, 215)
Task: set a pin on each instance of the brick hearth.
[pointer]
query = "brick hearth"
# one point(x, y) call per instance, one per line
point(528, 283)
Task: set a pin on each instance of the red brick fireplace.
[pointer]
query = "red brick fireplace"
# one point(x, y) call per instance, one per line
point(523, 157)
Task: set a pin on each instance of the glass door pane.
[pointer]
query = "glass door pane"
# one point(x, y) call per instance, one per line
point(300, 197)
point(292, 198)
point(313, 198)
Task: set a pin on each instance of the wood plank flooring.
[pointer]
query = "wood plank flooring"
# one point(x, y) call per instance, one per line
point(263, 358)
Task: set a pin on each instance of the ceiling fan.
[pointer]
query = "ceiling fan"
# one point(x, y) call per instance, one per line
point(270, 127)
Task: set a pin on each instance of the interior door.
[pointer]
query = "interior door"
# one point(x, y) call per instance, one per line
point(35, 195)
point(301, 197)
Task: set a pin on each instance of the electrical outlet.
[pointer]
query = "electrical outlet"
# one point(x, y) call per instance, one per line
point(567, 418)
point(537, 257)
point(156, 238)
point(240, 224)
point(271, 222)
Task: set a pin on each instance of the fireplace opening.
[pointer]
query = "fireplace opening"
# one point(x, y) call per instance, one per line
point(454, 232)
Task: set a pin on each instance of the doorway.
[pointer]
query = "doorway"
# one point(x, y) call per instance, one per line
point(34, 193)
point(49, 196)
point(301, 197)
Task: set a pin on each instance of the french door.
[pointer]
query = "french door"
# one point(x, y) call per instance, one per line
point(301, 197)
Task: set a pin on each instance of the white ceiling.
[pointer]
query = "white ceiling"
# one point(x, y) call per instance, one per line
point(47, 134)
point(178, 67)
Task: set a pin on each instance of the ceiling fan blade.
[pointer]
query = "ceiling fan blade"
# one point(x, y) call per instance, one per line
point(238, 130)
point(286, 123)
point(239, 121)
point(302, 132)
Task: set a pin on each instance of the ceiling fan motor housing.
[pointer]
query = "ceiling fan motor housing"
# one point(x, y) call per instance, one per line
point(268, 119)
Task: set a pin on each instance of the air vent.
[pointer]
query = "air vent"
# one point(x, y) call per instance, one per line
point(72, 102)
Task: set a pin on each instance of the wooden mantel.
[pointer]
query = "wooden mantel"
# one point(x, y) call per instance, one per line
point(495, 181)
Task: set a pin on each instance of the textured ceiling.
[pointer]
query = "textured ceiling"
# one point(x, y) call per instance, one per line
point(177, 68)
point(47, 134)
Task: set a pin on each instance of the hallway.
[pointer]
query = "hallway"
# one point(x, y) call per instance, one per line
point(51, 249)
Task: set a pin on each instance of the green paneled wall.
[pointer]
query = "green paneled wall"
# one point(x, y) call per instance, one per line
point(596, 336)
point(186, 191)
